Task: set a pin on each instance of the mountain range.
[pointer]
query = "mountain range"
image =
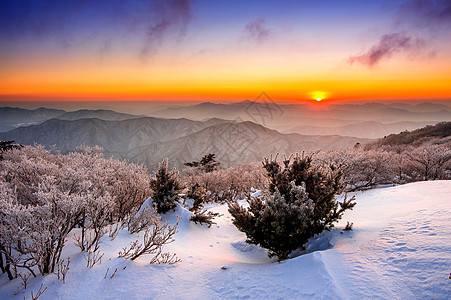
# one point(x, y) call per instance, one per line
point(13, 117)
point(237, 133)
point(148, 140)
point(370, 120)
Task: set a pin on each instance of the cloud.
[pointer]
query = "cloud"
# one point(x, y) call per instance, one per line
point(162, 19)
point(256, 31)
point(415, 22)
point(388, 45)
point(429, 14)
point(103, 23)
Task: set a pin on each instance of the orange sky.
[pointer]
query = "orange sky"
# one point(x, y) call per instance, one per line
point(211, 56)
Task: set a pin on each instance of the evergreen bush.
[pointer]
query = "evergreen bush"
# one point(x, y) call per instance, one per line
point(165, 187)
point(299, 203)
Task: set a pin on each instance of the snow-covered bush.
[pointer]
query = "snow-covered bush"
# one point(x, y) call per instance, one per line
point(226, 184)
point(431, 161)
point(299, 203)
point(165, 187)
point(198, 195)
point(126, 184)
point(7, 145)
point(367, 167)
point(137, 221)
point(45, 195)
point(202, 216)
point(362, 169)
point(156, 235)
point(36, 233)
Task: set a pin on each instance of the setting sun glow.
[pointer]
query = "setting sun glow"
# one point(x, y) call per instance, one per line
point(318, 96)
point(195, 54)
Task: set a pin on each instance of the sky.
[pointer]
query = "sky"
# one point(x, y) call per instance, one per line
point(224, 50)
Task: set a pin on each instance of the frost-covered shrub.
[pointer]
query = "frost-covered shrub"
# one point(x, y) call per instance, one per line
point(431, 161)
point(362, 169)
point(45, 195)
point(7, 145)
point(127, 185)
point(367, 167)
point(36, 233)
point(156, 236)
point(165, 187)
point(299, 203)
point(137, 221)
point(226, 184)
point(85, 171)
point(202, 216)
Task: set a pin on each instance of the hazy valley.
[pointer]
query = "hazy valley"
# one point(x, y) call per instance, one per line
point(238, 133)
point(147, 140)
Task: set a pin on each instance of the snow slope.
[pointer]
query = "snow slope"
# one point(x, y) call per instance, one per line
point(399, 249)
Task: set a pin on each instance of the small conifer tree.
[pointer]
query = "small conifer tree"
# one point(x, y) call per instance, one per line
point(197, 193)
point(207, 163)
point(201, 215)
point(165, 187)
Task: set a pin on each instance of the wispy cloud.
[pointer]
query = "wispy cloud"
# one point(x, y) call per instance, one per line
point(161, 19)
point(416, 25)
point(256, 31)
point(429, 14)
point(103, 22)
point(388, 45)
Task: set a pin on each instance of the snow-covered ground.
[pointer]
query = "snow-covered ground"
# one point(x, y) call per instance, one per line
point(399, 248)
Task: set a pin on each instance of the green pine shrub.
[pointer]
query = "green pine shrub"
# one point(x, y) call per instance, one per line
point(299, 203)
point(165, 187)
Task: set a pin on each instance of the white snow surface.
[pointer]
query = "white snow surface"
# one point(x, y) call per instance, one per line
point(399, 248)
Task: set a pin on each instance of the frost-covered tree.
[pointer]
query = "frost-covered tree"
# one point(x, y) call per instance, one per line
point(365, 169)
point(7, 145)
point(227, 184)
point(370, 166)
point(157, 234)
point(165, 187)
point(299, 203)
point(37, 232)
point(431, 161)
point(7, 200)
point(207, 163)
point(44, 195)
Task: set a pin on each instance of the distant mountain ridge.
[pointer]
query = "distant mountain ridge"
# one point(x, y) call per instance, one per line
point(148, 140)
point(416, 137)
point(103, 114)
point(368, 129)
point(112, 135)
point(13, 117)
point(423, 111)
point(370, 120)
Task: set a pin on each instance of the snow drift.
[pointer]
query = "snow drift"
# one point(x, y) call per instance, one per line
point(399, 248)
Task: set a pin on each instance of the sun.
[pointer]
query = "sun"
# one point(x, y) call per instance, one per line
point(318, 96)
